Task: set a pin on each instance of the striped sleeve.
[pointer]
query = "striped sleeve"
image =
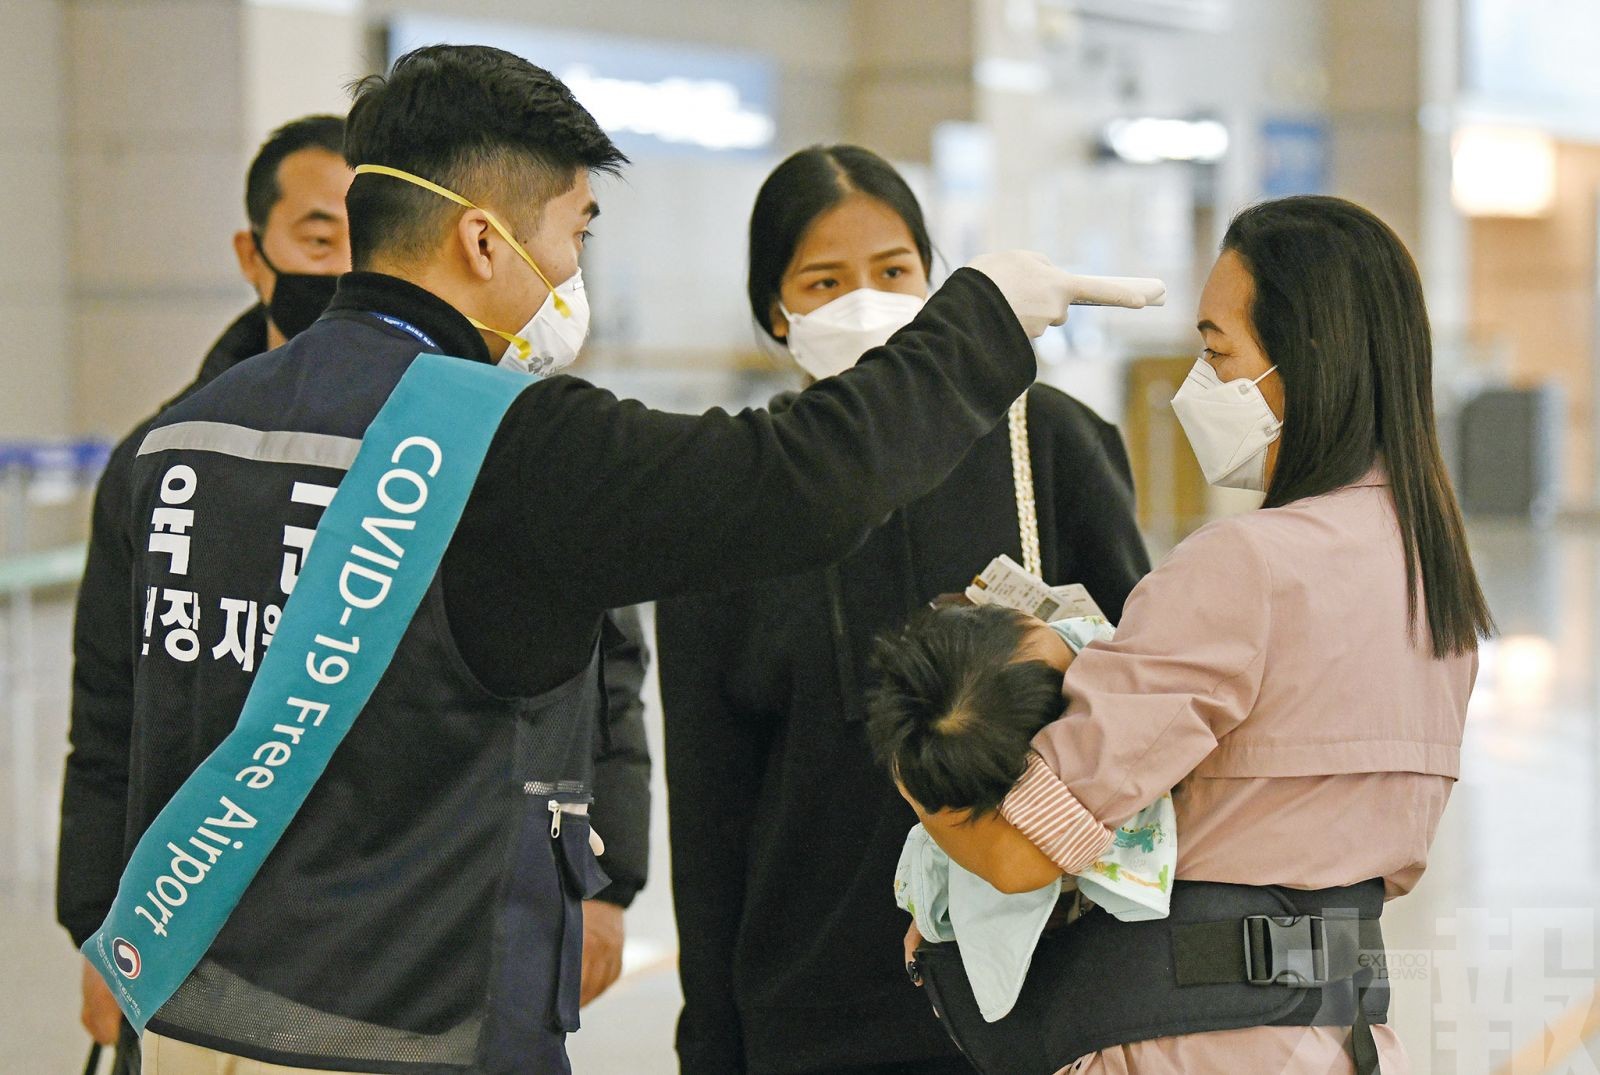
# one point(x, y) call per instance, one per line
point(1051, 817)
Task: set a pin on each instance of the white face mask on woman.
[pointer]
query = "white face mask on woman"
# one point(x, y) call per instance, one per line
point(1229, 425)
point(833, 337)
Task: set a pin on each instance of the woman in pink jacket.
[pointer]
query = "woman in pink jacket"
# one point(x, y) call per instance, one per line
point(1297, 676)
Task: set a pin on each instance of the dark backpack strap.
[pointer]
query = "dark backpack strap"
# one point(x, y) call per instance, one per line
point(1363, 1048)
point(1228, 957)
point(1298, 951)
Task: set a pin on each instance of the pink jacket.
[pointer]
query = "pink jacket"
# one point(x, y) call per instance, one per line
point(1267, 673)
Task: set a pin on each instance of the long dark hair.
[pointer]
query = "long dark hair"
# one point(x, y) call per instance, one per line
point(801, 189)
point(1338, 307)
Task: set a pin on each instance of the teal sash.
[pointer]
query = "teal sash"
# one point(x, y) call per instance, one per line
point(377, 548)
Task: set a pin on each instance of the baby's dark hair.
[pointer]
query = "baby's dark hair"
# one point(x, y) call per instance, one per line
point(954, 710)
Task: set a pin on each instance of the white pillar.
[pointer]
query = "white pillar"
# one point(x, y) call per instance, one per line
point(300, 57)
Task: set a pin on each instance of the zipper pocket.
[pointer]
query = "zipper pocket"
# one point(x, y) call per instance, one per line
point(558, 808)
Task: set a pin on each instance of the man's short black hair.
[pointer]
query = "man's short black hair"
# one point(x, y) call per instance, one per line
point(954, 709)
point(261, 189)
point(477, 120)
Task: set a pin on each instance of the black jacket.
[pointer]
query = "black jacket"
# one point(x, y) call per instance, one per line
point(785, 833)
point(583, 503)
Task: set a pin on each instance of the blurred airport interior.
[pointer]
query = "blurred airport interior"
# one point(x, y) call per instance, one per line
point(1116, 136)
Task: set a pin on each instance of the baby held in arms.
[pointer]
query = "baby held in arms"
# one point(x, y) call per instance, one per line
point(962, 691)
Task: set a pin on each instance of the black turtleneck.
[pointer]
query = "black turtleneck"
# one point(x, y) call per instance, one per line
point(361, 294)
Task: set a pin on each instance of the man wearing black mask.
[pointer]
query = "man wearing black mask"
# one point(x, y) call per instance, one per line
point(291, 255)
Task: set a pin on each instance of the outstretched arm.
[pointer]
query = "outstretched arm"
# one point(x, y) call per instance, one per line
point(647, 504)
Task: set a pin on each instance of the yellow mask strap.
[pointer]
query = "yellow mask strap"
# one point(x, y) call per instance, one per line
point(444, 192)
point(520, 345)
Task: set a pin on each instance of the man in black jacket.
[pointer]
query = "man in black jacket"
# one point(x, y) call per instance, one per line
point(419, 914)
point(295, 246)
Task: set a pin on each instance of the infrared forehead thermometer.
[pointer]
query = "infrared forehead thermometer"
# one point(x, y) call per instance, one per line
point(1131, 292)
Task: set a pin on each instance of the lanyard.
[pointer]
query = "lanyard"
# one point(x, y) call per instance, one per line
point(408, 328)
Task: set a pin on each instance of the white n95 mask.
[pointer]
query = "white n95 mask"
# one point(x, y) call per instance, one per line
point(553, 339)
point(832, 338)
point(549, 342)
point(1229, 425)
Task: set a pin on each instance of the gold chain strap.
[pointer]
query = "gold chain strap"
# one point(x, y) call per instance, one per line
point(1022, 479)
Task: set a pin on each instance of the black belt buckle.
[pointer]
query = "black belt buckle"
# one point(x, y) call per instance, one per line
point(1296, 950)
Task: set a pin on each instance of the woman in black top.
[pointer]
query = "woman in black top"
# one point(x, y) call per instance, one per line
point(784, 832)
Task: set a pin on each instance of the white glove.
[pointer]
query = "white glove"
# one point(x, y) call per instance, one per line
point(1038, 292)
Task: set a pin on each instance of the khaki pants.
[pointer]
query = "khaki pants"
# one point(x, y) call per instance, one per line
point(164, 1056)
